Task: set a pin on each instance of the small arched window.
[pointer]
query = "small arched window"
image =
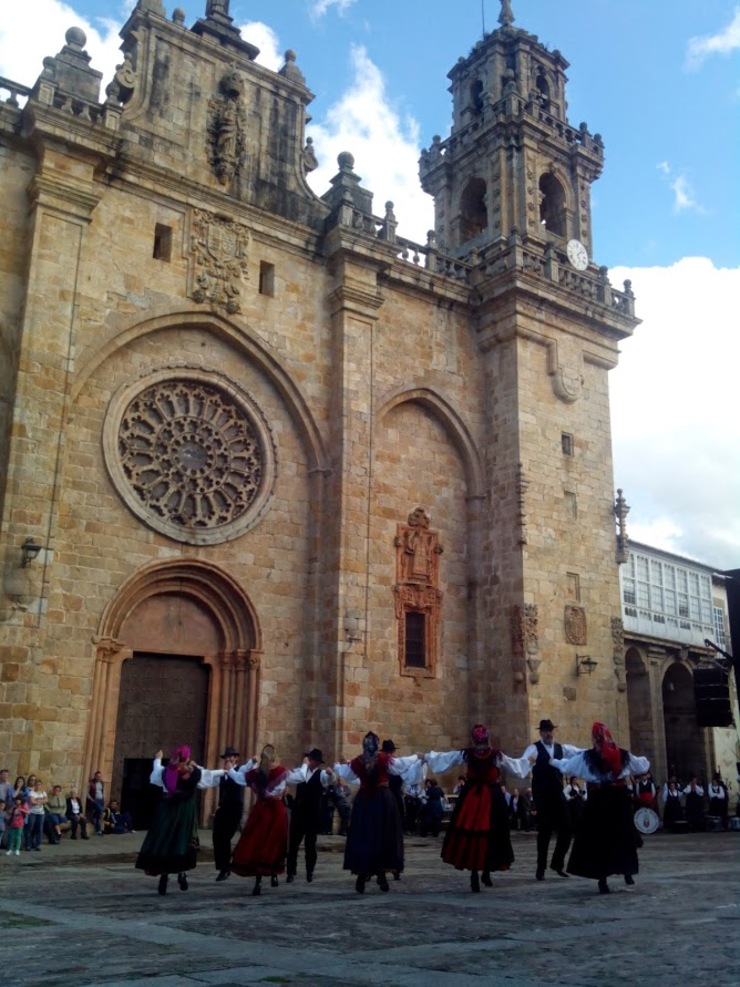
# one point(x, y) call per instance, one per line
point(552, 205)
point(476, 96)
point(473, 210)
point(543, 88)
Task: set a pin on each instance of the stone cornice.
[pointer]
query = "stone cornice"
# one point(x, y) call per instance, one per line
point(63, 195)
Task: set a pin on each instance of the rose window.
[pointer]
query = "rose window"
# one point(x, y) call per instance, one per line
point(191, 459)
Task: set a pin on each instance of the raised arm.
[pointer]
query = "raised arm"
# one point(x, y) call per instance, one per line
point(239, 775)
point(518, 766)
point(346, 773)
point(157, 775)
point(439, 762)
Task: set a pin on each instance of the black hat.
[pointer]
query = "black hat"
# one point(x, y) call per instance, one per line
point(230, 752)
point(547, 725)
point(388, 747)
point(315, 755)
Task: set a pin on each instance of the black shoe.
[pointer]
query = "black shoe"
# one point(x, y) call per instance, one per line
point(539, 875)
point(383, 882)
point(274, 881)
point(557, 870)
point(486, 879)
point(309, 878)
point(162, 886)
point(223, 875)
point(360, 884)
point(256, 890)
point(290, 878)
point(396, 875)
point(73, 836)
point(474, 882)
point(84, 836)
point(182, 881)
point(603, 886)
point(629, 880)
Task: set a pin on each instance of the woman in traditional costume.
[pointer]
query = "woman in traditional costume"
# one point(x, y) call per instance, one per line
point(375, 839)
point(477, 838)
point(607, 840)
point(263, 845)
point(171, 844)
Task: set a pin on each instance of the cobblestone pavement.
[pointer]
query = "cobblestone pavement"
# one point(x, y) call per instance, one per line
point(79, 914)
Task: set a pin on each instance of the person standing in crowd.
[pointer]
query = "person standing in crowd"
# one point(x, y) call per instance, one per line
point(718, 799)
point(26, 795)
point(16, 824)
point(6, 789)
point(672, 807)
point(171, 845)
point(526, 811)
point(606, 842)
point(478, 837)
point(75, 815)
point(375, 839)
point(3, 822)
point(549, 799)
point(337, 797)
point(694, 795)
point(228, 814)
point(310, 780)
point(37, 812)
point(432, 812)
point(395, 783)
point(412, 804)
point(96, 801)
point(646, 794)
point(263, 845)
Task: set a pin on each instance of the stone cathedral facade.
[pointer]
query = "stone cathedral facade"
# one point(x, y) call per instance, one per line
point(271, 472)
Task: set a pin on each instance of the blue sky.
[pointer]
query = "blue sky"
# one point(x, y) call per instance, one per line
point(659, 79)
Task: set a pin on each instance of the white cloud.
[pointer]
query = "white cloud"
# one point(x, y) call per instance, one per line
point(267, 41)
point(384, 144)
point(42, 25)
point(675, 423)
point(701, 48)
point(684, 197)
point(317, 8)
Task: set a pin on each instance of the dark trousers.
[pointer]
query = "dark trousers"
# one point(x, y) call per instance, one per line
point(303, 828)
point(552, 817)
point(225, 824)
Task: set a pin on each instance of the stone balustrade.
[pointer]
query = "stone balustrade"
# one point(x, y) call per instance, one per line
point(15, 90)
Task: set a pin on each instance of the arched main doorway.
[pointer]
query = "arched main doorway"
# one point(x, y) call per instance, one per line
point(684, 738)
point(642, 731)
point(177, 662)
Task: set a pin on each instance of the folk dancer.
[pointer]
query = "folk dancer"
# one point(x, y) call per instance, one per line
point(478, 838)
point(607, 841)
point(228, 814)
point(549, 799)
point(263, 845)
point(375, 839)
point(310, 780)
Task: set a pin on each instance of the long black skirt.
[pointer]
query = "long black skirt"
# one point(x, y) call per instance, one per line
point(171, 844)
point(606, 841)
point(375, 838)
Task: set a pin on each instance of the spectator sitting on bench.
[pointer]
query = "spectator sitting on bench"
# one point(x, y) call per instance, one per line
point(115, 821)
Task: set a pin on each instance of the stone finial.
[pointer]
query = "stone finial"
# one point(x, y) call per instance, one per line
point(621, 510)
point(216, 9)
point(178, 16)
point(76, 38)
point(506, 17)
point(290, 70)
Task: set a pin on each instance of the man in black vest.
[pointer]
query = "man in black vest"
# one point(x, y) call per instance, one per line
point(305, 815)
point(228, 815)
point(549, 799)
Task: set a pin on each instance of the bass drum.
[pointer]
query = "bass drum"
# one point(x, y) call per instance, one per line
point(646, 820)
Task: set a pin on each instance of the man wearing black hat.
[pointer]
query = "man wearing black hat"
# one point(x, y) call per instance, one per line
point(549, 799)
point(305, 815)
point(228, 814)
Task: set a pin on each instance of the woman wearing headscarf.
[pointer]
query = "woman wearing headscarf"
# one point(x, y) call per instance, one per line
point(171, 845)
point(606, 841)
point(263, 845)
point(375, 839)
point(477, 838)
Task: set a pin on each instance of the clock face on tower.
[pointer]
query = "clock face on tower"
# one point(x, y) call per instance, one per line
point(577, 255)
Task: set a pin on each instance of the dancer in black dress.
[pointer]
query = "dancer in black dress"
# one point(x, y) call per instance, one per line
point(606, 841)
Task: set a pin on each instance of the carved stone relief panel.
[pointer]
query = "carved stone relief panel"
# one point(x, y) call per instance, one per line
point(192, 456)
point(227, 128)
point(218, 260)
point(574, 622)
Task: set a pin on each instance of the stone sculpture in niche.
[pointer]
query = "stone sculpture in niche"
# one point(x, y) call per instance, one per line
point(227, 128)
point(219, 260)
point(417, 589)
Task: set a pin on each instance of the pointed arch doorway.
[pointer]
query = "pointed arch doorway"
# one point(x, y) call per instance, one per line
point(686, 753)
point(177, 659)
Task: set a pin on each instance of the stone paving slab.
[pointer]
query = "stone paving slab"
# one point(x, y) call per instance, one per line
point(94, 920)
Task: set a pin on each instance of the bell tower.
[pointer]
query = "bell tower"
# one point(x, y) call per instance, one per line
point(511, 187)
point(512, 160)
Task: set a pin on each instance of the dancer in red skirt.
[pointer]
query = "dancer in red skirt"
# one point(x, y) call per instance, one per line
point(263, 845)
point(478, 835)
